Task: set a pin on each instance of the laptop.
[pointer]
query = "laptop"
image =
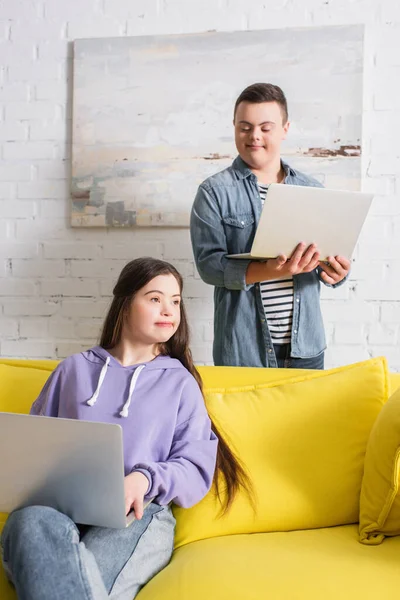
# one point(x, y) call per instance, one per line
point(74, 466)
point(332, 219)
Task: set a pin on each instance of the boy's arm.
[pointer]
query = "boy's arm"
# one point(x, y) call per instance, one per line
point(209, 245)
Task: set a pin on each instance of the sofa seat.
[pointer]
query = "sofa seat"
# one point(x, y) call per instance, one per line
point(319, 564)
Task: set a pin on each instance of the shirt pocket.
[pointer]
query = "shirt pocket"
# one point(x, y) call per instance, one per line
point(239, 232)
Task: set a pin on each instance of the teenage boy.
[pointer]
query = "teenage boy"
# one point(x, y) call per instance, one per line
point(266, 314)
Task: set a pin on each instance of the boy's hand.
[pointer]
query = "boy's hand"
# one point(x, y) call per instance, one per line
point(303, 260)
point(335, 270)
point(136, 485)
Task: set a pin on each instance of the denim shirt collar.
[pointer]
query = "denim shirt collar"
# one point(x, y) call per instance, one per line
point(242, 169)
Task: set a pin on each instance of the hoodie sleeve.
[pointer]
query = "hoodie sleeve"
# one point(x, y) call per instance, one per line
point(187, 475)
point(48, 401)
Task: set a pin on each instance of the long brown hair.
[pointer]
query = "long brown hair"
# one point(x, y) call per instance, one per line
point(135, 275)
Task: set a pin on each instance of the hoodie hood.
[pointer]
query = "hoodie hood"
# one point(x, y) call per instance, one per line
point(99, 354)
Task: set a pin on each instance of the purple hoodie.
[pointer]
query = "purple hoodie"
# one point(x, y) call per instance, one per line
point(166, 430)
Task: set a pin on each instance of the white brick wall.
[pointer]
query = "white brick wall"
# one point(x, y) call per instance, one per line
point(55, 281)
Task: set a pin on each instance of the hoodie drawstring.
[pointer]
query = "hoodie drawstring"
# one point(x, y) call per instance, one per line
point(125, 410)
point(103, 371)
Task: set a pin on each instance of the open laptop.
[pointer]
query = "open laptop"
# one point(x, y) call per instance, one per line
point(74, 466)
point(331, 219)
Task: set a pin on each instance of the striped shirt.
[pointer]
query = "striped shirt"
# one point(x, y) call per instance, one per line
point(277, 299)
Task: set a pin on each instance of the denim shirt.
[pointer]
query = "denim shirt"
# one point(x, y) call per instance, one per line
point(223, 221)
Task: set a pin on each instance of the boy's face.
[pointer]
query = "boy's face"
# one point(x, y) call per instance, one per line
point(259, 132)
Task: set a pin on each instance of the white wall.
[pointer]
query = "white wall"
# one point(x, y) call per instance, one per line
point(55, 281)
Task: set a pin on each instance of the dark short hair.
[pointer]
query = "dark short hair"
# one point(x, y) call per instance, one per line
point(263, 92)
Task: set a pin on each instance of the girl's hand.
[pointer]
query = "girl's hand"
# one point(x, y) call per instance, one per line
point(136, 485)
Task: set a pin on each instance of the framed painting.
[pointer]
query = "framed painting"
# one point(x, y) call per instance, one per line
point(152, 116)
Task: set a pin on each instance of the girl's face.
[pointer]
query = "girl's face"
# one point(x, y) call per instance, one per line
point(154, 314)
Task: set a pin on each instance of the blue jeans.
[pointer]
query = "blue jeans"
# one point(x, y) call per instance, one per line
point(284, 360)
point(46, 558)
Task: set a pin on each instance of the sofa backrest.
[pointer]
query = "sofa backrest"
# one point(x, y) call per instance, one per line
point(23, 395)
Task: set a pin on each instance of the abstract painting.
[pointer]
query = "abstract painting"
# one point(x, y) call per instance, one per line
point(152, 116)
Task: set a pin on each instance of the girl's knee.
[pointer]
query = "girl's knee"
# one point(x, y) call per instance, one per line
point(33, 521)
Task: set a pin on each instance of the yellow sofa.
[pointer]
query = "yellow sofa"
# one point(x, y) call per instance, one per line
point(303, 437)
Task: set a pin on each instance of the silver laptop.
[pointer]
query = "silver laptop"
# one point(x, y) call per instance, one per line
point(74, 466)
point(332, 219)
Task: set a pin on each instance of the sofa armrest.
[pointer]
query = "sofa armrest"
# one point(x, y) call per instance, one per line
point(380, 491)
point(394, 382)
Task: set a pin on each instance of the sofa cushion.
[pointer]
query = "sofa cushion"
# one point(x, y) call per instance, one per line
point(41, 363)
point(19, 387)
point(217, 377)
point(321, 564)
point(380, 497)
point(303, 442)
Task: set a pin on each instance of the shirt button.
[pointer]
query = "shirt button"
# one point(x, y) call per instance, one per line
point(270, 350)
point(242, 222)
point(297, 300)
point(295, 331)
